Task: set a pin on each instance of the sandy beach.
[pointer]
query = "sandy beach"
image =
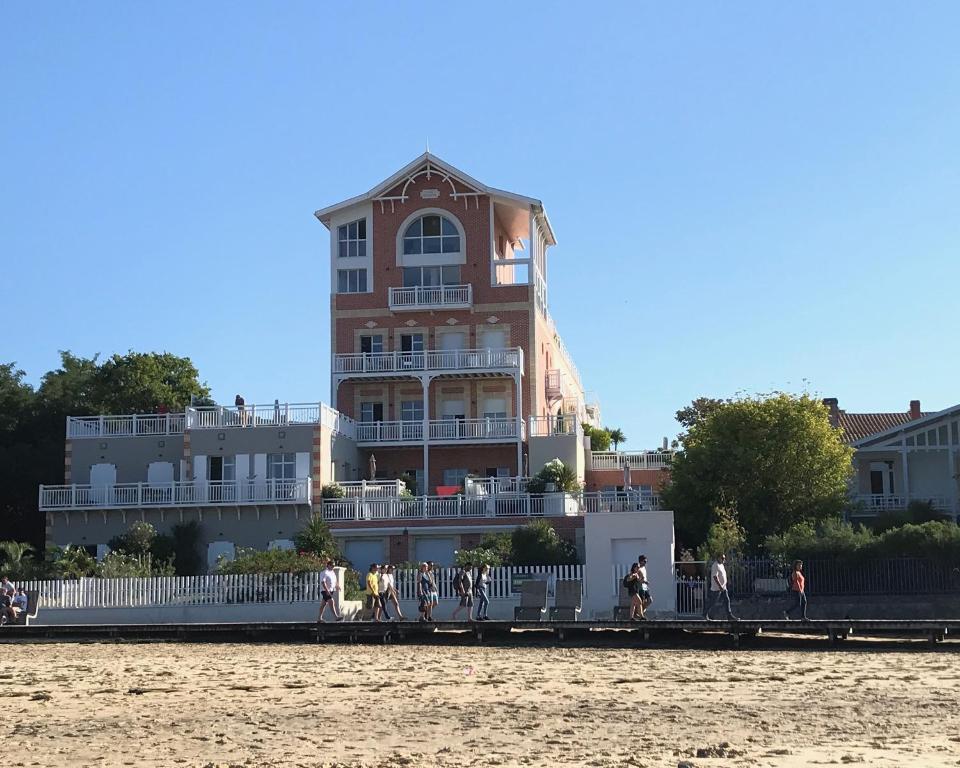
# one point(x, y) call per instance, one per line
point(367, 705)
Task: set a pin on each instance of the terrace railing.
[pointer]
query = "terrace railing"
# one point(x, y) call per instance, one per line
point(381, 363)
point(451, 507)
point(640, 460)
point(431, 296)
point(440, 431)
point(175, 494)
point(131, 425)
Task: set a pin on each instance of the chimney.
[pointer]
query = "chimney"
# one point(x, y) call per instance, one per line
point(914, 410)
point(833, 405)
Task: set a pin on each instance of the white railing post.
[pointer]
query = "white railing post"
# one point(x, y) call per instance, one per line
point(356, 507)
point(100, 426)
point(139, 494)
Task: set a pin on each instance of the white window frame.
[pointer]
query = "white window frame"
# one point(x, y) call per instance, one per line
point(285, 462)
point(346, 239)
point(352, 278)
point(411, 411)
point(422, 269)
point(442, 258)
point(376, 343)
point(448, 232)
point(367, 412)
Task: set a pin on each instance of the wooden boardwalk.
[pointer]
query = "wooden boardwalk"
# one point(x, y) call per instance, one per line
point(660, 632)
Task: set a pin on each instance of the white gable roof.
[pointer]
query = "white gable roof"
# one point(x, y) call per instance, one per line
point(499, 195)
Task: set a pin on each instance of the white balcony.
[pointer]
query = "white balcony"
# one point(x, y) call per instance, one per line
point(176, 494)
point(873, 504)
point(551, 426)
point(619, 460)
point(208, 417)
point(500, 503)
point(431, 297)
point(389, 364)
point(440, 431)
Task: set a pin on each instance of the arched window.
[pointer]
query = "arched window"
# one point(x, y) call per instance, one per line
point(431, 234)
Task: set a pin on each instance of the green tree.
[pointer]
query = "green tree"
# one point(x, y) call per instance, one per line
point(616, 437)
point(142, 382)
point(538, 543)
point(774, 460)
point(17, 559)
point(72, 562)
point(599, 438)
point(557, 474)
point(724, 537)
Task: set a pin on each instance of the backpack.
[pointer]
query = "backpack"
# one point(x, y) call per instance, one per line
point(457, 582)
point(627, 580)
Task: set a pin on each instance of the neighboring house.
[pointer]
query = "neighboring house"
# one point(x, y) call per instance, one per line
point(902, 457)
point(446, 364)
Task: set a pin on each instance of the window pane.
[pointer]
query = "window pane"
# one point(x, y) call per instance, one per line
point(342, 280)
point(411, 277)
point(342, 232)
point(431, 225)
point(431, 245)
point(411, 245)
point(343, 249)
point(413, 230)
point(362, 248)
point(353, 248)
point(362, 229)
point(363, 280)
point(451, 245)
point(448, 228)
point(431, 275)
point(451, 275)
point(352, 230)
point(352, 280)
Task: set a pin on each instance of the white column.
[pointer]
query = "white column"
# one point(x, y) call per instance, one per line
point(425, 383)
point(518, 414)
point(906, 471)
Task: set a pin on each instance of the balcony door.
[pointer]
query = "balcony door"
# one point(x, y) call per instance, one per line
point(881, 478)
point(453, 415)
point(102, 479)
point(411, 351)
point(221, 478)
point(450, 345)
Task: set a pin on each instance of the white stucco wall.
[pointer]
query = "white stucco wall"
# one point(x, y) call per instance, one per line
point(607, 532)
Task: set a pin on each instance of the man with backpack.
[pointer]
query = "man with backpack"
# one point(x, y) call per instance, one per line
point(463, 589)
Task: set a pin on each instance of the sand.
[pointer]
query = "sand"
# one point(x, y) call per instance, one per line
point(172, 704)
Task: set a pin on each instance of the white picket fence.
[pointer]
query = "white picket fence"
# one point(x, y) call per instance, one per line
point(261, 588)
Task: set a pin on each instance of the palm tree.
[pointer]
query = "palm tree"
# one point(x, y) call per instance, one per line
point(13, 554)
point(616, 437)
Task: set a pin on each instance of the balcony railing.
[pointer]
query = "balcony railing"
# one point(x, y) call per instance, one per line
point(208, 417)
point(436, 361)
point(176, 494)
point(440, 431)
point(551, 426)
point(872, 504)
point(131, 425)
point(431, 297)
point(493, 505)
point(619, 460)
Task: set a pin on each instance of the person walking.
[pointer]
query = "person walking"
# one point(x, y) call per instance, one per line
point(423, 593)
point(382, 595)
point(798, 584)
point(434, 591)
point(328, 592)
point(718, 593)
point(463, 585)
point(373, 592)
point(390, 582)
point(483, 600)
point(632, 583)
point(644, 588)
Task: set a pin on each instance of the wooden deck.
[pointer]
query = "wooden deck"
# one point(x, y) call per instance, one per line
point(659, 632)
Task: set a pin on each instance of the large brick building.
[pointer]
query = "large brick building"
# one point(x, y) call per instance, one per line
point(446, 368)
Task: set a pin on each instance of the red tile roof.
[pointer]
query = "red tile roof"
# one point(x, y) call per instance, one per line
point(857, 426)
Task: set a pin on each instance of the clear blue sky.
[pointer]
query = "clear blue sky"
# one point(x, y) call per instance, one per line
point(747, 196)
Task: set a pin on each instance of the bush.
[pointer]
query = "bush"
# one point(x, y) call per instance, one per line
point(478, 556)
point(142, 542)
point(559, 474)
point(936, 540)
point(599, 438)
point(272, 561)
point(724, 537)
point(537, 543)
point(332, 491)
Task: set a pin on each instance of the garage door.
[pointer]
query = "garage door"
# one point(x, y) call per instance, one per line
point(362, 552)
point(440, 550)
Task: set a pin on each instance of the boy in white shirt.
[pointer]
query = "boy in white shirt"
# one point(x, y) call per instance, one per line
point(718, 588)
point(328, 591)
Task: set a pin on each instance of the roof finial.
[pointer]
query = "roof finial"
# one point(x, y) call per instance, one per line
point(428, 145)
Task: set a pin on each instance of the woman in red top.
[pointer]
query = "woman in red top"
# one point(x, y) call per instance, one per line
point(797, 585)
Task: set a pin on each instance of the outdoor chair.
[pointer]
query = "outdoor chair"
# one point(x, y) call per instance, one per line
point(567, 604)
point(533, 601)
point(33, 604)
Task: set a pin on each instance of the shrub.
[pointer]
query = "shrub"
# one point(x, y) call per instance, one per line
point(316, 539)
point(537, 543)
point(724, 537)
point(478, 556)
point(332, 491)
point(272, 561)
point(599, 438)
point(559, 474)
